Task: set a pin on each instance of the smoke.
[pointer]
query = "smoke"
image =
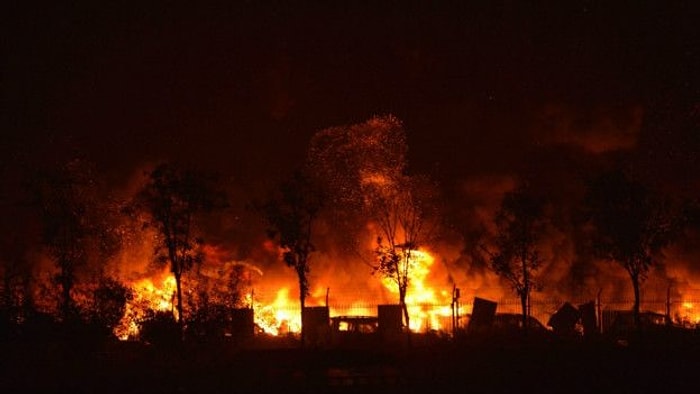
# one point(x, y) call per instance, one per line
point(596, 131)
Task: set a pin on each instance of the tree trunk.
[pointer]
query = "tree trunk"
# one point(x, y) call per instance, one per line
point(525, 291)
point(180, 320)
point(404, 307)
point(402, 276)
point(66, 281)
point(523, 305)
point(635, 308)
point(67, 304)
point(302, 302)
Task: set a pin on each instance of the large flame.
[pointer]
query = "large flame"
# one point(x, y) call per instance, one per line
point(689, 314)
point(278, 317)
point(276, 305)
point(149, 294)
point(428, 308)
point(276, 311)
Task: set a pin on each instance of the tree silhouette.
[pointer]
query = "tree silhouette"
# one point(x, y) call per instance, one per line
point(630, 225)
point(174, 198)
point(290, 215)
point(401, 221)
point(75, 223)
point(363, 170)
point(16, 271)
point(519, 223)
point(351, 163)
point(106, 305)
point(212, 299)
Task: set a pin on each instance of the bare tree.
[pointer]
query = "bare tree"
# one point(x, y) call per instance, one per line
point(290, 215)
point(174, 198)
point(516, 259)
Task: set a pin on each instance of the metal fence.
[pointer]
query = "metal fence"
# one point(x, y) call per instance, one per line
point(444, 317)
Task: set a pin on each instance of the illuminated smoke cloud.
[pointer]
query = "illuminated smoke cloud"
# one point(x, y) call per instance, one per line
point(595, 131)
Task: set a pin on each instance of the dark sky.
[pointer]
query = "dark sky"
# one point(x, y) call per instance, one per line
point(486, 88)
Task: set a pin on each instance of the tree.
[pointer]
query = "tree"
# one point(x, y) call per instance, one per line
point(15, 290)
point(216, 292)
point(290, 216)
point(73, 223)
point(519, 224)
point(363, 170)
point(174, 198)
point(630, 225)
point(106, 305)
point(350, 164)
point(402, 227)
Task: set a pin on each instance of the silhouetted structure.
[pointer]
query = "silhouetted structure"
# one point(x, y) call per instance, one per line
point(242, 323)
point(564, 320)
point(390, 320)
point(588, 319)
point(315, 321)
point(483, 313)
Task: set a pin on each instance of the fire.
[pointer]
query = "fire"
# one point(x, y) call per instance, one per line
point(689, 313)
point(278, 317)
point(148, 295)
point(427, 308)
point(276, 307)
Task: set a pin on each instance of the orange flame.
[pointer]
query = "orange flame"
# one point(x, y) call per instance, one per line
point(689, 314)
point(427, 308)
point(278, 317)
point(148, 295)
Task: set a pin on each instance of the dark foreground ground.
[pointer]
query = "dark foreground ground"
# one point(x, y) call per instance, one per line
point(446, 367)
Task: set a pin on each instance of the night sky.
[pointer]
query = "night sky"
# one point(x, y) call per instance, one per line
point(484, 91)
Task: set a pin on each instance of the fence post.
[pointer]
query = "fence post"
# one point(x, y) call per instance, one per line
point(668, 304)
